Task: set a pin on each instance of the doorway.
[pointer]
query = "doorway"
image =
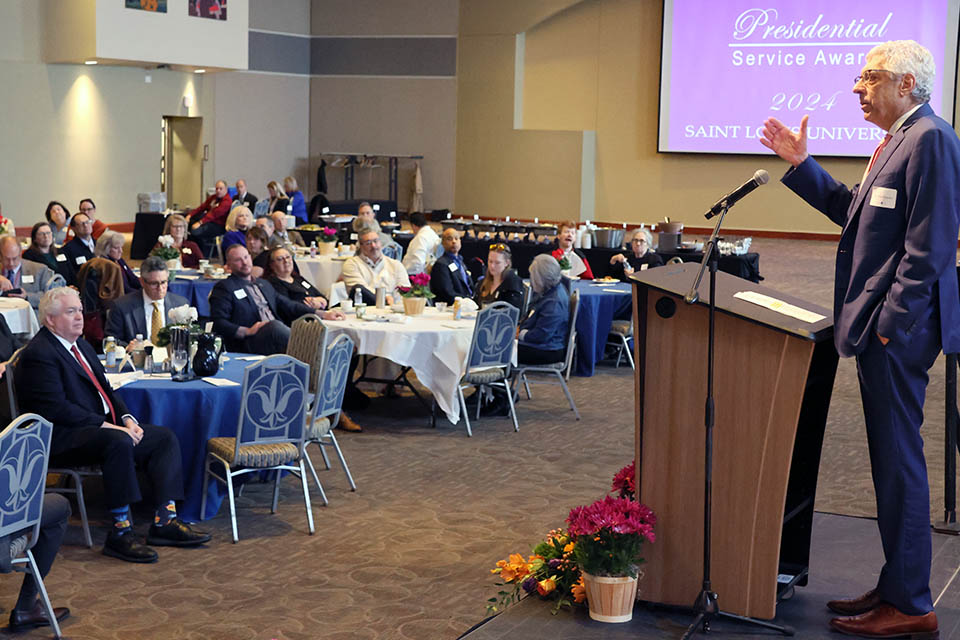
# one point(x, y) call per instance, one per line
point(181, 167)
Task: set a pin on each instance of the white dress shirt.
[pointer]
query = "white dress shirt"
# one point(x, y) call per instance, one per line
point(422, 250)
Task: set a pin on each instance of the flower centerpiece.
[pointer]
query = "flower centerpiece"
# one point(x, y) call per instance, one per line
point(416, 295)
point(326, 241)
point(182, 316)
point(609, 536)
point(549, 573)
point(7, 228)
point(166, 251)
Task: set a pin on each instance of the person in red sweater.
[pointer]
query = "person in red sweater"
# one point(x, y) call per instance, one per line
point(209, 219)
point(579, 267)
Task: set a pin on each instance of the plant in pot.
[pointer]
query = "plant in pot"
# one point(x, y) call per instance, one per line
point(609, 535)
point(328, 240)
point(168, 252)
point(416, 295)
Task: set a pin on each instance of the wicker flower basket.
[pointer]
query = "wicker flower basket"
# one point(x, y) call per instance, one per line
point(326, 248)
point(611, 599)
point(413, 306)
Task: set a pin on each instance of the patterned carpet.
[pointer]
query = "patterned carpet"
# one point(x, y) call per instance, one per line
point(408, 555)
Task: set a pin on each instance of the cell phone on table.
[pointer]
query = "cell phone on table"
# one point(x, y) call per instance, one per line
point(17, 291)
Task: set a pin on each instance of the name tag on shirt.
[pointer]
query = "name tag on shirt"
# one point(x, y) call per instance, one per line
point(305, 285)
point(353, 236)
point(61, 257)
point(80, 260)
point(453, 266)
point(883, 197)
point(240, 294)
point(643, 267)
point(186, 250)
point(26, 279)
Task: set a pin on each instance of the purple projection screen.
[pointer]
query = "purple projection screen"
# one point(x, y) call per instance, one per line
point(727, 66)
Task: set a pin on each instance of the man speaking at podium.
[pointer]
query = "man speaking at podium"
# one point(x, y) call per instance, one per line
point(895, 306)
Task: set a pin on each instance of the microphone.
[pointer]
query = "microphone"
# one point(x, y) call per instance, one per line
point(761, 177)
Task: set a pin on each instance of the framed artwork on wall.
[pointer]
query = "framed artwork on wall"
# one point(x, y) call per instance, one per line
point(213, 9)
point(157, 6)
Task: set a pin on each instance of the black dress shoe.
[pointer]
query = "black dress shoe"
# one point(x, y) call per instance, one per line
point(35, 617)
point(175, 534)
point(127, 547)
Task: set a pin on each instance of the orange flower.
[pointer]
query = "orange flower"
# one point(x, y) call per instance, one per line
point(579, 591)
point(568, 548)
point(546, 586)
point(513, 568)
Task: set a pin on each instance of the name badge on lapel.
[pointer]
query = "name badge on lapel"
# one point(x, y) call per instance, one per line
point(240, 294)
point(27, 279)
point(883, 197)
point(453, 266)
point(61, 257)
point(80, 260)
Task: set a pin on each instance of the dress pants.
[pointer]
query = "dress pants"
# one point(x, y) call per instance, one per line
point(271, 338)
point(893, 382)
point(204, 236)
point(53, 524)
point(158, 454)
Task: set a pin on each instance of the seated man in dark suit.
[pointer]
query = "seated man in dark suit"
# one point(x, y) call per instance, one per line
point(60, 378)
point(248, 313)
point(80, 249)
point(32, 278)
point(449, 277)
point(144, 312)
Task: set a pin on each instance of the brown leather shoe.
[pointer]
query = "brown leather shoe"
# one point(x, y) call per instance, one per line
point(347, 424)
point(887, 622)
point(35, 617)
point(867, 602)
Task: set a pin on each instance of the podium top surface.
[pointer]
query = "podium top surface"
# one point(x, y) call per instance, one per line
point(678, 279)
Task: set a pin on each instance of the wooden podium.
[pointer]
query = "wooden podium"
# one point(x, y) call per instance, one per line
point(772, 384)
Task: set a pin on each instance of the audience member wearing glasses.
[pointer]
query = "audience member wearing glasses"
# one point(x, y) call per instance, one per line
point(80, 249)
point(370, 269)
point(638, 257)
point(90, 209)
point(43, 250)
point(22, 278)
point(543, 333)
point(501, 283)
point(292, 285)
point(59, 218)
point(144, 312)
point(176, 228)
point(110, 246)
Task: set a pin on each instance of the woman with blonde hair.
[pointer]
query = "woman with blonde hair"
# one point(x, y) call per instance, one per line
point(176, 228)
point(297, 203)
point(110, 246)
point(501, 283)
point(278, 199)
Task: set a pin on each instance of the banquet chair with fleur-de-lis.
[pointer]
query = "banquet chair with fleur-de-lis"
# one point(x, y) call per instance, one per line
point(325, 409)
point(490, 356)
point(269, 431)
point(24, 451)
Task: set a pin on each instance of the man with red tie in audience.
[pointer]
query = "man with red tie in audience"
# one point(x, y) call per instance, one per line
point(896, 304)
point(59, 377)
point(209, 220)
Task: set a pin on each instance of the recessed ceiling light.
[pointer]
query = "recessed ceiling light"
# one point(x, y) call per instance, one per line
point(199, 70)
point(90, 62)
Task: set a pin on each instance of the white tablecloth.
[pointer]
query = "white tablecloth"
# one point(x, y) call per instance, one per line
point(321, 271)
point(19, 316)
point(434, 345)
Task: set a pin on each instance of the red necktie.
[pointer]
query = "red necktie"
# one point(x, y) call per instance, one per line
point(93, 379)
point(878, 151)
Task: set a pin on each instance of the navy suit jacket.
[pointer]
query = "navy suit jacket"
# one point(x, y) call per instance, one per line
point(895, 259)
point(49, 381)
point(126, 318)
point(73, 250)
point(229, 312)
point(447, 284)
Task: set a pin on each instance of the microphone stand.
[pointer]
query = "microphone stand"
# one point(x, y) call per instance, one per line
point(706, 605)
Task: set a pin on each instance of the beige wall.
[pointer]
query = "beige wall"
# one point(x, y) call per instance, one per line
point(73, 131)
point(595, 65)
point(283, 16)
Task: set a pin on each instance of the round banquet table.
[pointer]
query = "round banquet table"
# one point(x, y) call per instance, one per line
point(196, 289)
point(321, 271)
point(19, 316)
point(195, 411)
point(434, 345)
point(600, 304)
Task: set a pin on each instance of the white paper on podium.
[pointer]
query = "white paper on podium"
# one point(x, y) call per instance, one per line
point(779, 306)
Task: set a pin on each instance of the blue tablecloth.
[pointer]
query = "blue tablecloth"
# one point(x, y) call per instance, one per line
point(600, 305)
point(196, 411)
point(196, 292)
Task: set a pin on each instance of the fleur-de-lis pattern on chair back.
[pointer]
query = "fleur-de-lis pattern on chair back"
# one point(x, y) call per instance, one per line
point(336, 367)
point(24, 448)
point(274, 401)
point(307, 338)
point(493, 335)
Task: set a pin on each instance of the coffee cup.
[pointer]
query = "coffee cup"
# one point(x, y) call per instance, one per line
point(346, 306)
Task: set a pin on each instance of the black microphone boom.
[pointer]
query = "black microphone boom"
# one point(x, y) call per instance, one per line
point(761, 177)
